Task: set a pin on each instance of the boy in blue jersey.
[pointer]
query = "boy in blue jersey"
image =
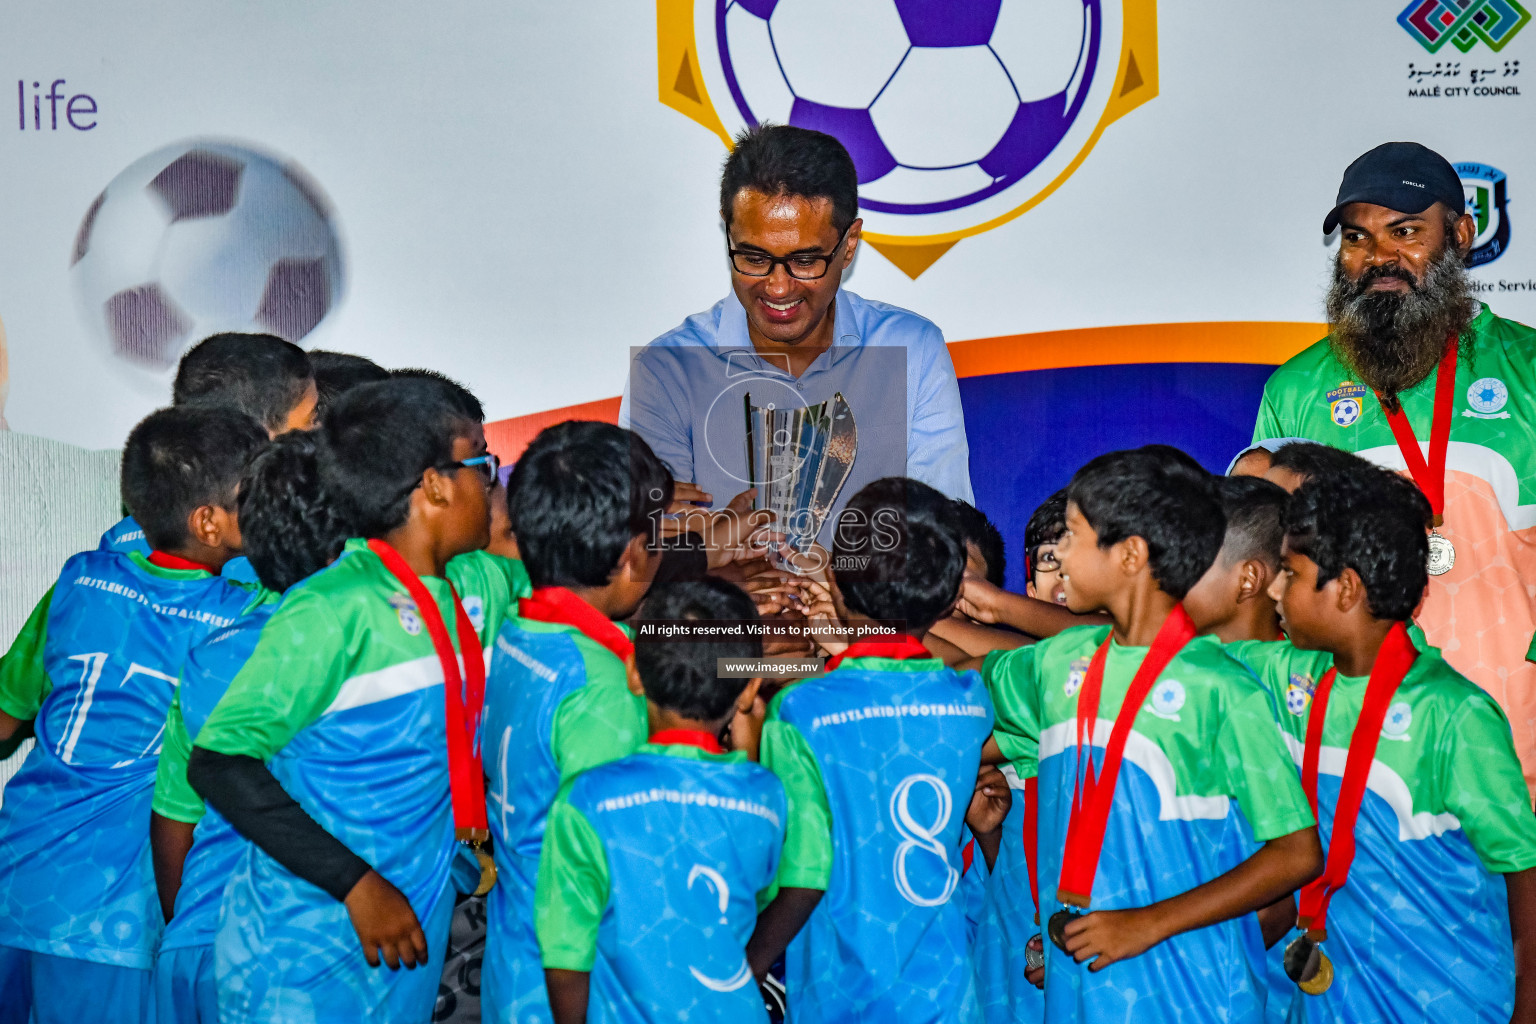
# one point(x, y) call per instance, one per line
point(879, 759)
point(654, 866)
point(1426, 910)
point(584, 502)
point(261, 375)
point(1166, 807)
point(93, 672)
point(341, 750)
point(290, 530)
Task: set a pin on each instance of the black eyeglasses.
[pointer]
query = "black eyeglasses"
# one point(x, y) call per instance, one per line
point(809, 266)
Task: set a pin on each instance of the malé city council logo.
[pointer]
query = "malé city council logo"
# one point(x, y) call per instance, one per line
point(1463, 23)
point(1486, 195)
point(959, 114)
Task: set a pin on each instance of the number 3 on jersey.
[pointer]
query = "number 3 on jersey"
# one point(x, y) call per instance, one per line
point(916, 837)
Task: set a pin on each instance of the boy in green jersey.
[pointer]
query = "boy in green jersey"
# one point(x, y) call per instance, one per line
point(331, 749)
point(1167, 808)
point(1430, 912)
point(654, 866)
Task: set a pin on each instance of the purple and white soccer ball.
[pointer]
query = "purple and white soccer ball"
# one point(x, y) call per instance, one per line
point(202, 237)
point(941, 103)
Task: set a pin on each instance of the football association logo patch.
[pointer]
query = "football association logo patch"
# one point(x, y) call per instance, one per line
point(410, 616)
point(1487, 396)
point(1298, 695)
point(1075, 675)
point(1167, 698)
point(1344, 403)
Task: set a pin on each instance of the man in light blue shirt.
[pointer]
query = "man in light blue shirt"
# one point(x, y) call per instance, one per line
point(790, 335)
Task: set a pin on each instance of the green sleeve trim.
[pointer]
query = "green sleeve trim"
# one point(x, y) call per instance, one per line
point(292, 676)
point(600, 722)
point(806, 860)
point(1012, 680)
point(1257, 767)
point(1485, 787)
point(174, 796)
point(24, 682)
point(572, 891)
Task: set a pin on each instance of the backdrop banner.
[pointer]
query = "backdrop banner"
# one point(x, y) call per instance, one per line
point(1112, 208)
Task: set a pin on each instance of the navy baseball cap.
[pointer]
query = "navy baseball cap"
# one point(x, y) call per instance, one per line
point(1402, 176)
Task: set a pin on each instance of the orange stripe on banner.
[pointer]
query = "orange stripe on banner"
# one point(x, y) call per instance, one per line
point(507, 438)
point(1234, 342)
point(1237, 342)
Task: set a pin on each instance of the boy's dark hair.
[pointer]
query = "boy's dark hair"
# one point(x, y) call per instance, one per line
point(897, 553)
point(260, 374)
point(679, 675)
point(1045, 526)
point(289, 526)
point(777, 159)
point(336, 372)
point(180, 458)
point(1161, 495)
point(469, 406)
point(1369, 520)
point(1253, 507)
point(578, 495)
point(977, 529)
point(1309, 459)
point(378, 439)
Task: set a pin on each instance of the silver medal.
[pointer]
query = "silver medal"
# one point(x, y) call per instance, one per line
point(1441, 555)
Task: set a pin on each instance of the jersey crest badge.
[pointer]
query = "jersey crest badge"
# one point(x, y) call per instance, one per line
point(1487, 396)
point(1075, 675)
point(1399, 718)
point(1167, 698)
point(474, 607)
point(1298, 694)
point(1344, 403)
point(405, 608)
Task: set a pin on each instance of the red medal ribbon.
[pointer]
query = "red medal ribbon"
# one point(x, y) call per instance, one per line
point(166, 560)
point(1094, 795)
point(1430, 474)
point(900, 647)
point(688, 738)
point(1032, 839)
point(466, 776)
point(559, 605)
point(1392, 663)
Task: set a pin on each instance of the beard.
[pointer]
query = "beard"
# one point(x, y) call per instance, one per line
point(1391, 341)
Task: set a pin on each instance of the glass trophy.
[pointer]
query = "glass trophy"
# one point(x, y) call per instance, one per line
point(799, 459)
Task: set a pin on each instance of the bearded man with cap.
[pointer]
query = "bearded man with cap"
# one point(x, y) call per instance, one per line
point(1419, 376)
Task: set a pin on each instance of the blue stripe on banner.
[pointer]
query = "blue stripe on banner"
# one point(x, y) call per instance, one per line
point(1030, 431)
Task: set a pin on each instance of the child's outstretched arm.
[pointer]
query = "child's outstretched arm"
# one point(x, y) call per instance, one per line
point(1282, 865)
point(986, 603)
point(1521, 886)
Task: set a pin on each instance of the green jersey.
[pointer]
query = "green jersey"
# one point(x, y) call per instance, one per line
point(1445, 814)
point(1480, 613)
point(1205, 779)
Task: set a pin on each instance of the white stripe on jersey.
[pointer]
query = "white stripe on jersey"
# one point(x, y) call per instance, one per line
point(394, 681)
point(1149, 757)
point(1385, 783)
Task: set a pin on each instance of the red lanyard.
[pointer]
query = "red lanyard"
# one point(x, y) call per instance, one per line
point(1392, 663)
point(900, 647)
point(559, 605)
point(166, 560)
point(466, 777)
point(1429, 475)
point(1093, 796)
point(688, 738)
point(1032, 839)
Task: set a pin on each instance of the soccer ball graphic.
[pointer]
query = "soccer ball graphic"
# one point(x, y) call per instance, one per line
point(941, 103)
point(202, 237)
